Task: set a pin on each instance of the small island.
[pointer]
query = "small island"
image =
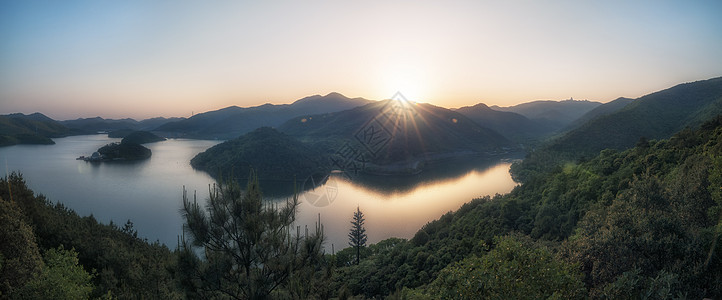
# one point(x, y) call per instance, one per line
point(129, 148)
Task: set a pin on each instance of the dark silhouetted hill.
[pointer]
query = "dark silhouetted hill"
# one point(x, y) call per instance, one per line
point(555, 114)
point(233, 121)
point(602, 110)
point(141, 137)
point(35, 128)
point(390, 131)
point(272, 154)
point(98, 124)
point(513, 126)
point(124, 152)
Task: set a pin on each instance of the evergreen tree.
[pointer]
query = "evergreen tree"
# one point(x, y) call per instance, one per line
point(20, 259)
point(62, 278)
point(357, 236)
point(249, 247)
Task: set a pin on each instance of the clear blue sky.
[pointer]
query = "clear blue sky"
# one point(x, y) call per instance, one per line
point(139, 59)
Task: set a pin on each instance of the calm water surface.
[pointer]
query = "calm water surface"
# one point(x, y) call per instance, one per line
point(146, 192)
point(398, 210)
point(149, 192)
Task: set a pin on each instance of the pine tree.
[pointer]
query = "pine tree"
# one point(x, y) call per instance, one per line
point(357, 236)
point(249, 246)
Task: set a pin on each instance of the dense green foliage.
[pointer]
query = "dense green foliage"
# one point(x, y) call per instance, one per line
point(62, 278)
point(512, 270)
point(124, 151)
point(19, 255)
point(274, 156)
point(121, 264)
point(655, 116)
point(30, 129)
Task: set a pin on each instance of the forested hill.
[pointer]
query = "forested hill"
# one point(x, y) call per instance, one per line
point(50, 252)
point(655, 116)
point(511, 125)
point(393, 131)
point(642, 223)
point(272, 154)
point(34, 128)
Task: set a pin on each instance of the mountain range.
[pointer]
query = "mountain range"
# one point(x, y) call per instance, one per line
point(233, 121)
point(417, 131)
point(622, 123)
point(658, 115)
point(511, 125)
point(381, 137)
point(98, 124)
point(556, 114)
point(393, 131)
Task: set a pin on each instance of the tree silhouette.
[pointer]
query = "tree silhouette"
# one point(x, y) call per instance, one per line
point(249, 246)
point(357, 236)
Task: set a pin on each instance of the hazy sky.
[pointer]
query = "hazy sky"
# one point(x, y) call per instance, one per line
point(139, 59)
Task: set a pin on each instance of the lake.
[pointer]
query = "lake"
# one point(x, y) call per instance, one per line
point(149, 192)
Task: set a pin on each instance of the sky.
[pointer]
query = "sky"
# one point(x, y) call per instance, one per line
point(140, 59)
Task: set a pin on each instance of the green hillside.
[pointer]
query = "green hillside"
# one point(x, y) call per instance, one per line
point(98, 261)
point(30, 129)
point(655, 116)
point(273, 155)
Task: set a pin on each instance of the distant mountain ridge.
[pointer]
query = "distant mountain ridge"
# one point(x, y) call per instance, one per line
point(98, 124)
point(555, 114)
point(599, 111)
point(233, 121)
point(397, 132)
point(655, 116)
point(511, 125)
